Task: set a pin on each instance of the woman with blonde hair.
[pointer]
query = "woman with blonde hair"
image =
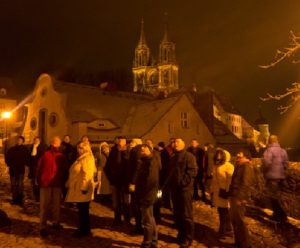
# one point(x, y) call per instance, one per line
point(81, 186)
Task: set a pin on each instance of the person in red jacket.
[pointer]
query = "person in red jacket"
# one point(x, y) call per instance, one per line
point(51, 175)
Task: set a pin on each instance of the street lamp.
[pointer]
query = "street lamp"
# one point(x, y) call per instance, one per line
point(6, 116)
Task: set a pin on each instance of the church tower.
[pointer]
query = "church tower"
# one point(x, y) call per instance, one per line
point(149, 76)
point(167, 66)
point(141, 62)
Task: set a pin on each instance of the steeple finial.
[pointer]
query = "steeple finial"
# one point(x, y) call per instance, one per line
point(142, 37)
point(166, 34)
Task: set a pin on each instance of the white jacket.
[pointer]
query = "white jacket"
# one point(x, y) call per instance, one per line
point(81, 178)
point(222, 175)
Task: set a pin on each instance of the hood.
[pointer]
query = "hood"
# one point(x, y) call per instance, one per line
point(225, 154)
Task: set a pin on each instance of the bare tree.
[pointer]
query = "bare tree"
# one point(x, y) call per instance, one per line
point(292, 94)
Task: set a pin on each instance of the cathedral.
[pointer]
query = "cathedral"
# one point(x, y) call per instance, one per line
point(149, 76)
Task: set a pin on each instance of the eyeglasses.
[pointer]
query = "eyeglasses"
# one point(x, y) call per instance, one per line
point(80, 147)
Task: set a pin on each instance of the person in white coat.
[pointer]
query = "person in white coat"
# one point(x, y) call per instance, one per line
point(222, 174)
point(81, 186)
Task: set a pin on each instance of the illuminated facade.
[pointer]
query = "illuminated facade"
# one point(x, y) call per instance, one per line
point(152, 77)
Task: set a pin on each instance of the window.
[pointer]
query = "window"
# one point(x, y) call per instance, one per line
point(171, 127)
point(184, 120)
point(53, 119)
point(33, 123)
point(44, 92)
point(3, 92)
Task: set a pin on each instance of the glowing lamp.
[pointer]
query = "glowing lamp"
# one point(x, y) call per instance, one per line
point(6, 115)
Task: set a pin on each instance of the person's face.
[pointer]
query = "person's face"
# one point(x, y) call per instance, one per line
point(194, 143)
point(80, 149)
point(145, 151)
point(56, 142)
point(149, 143)
point(239, 155)
point(67, 139)
point(132, 144)
point(85, 139)
point(122, 143)
point(179, 144)
point(20, 141)
point(36, 141)
point(105, 149)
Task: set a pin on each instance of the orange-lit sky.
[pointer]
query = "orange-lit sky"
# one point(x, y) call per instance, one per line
point(219, 43)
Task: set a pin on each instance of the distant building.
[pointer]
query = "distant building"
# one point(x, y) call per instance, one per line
point(263, 127)
point(150, 76)
point(59, 108)
point(227, 124)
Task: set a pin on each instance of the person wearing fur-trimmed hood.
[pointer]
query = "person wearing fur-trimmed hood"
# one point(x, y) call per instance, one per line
point(81, 185)
point(222, 175)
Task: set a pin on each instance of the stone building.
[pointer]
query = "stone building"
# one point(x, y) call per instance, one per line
point(151, 76)
point(59, 108)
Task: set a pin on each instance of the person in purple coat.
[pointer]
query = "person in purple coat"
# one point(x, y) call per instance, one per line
point(275, 162)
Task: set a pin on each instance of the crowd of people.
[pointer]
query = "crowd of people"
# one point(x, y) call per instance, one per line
point(141, 178)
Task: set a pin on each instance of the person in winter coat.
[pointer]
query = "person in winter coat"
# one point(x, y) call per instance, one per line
point(242, 179)
point(115, 170)
point(68, 150)
point(36, 150)
point(103, 186)
point(51, 176)
point(182, 171)
point(275, 161)
point(16, 158)
point(145, 186)
point(222, 174)
point(199, 154)
point(81, 186)
point(131, 173)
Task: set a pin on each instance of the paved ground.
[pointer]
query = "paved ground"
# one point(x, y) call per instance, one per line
point(24, 231)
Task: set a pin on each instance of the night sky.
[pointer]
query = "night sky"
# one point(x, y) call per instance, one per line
point(219, 43)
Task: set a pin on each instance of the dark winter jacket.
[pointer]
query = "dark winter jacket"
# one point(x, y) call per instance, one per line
point(115, 168)
point(147, 180)
point(16, 158)
point(182, 171)
point(52, 170)
point(241, 181)
point(33, 160)
point(200, 157)
point(275, 162)
point(131, 169)
point(69, 151)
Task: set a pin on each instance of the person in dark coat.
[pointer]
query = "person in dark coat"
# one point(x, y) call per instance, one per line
point(68, 150)
point(131, 173)
point(165, 154)
point(275, 162)
point(199, 154)
point(115, 169)
point(242, 179)
point(16, 158)
point(182, 172)
point(36, 150)
point(145, 186)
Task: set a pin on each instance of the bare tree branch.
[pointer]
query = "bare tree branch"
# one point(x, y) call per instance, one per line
point(287, 52)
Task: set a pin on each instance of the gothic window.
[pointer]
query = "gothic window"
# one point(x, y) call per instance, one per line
point(165, 54)
point(184, 119)
point(165, 77)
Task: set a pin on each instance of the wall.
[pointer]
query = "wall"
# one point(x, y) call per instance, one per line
point(195, 129)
